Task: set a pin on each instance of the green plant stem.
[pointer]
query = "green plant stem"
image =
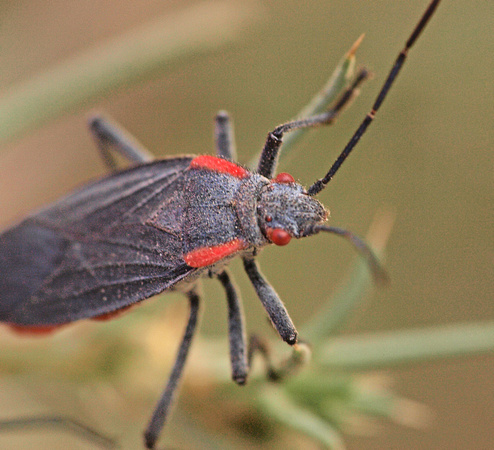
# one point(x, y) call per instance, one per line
point(281, 408)
point(123, 61)
point(379, 350)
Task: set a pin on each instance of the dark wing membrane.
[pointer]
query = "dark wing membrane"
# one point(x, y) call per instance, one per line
point(124, 197)
point(58, 266)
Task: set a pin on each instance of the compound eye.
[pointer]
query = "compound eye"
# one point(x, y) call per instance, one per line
point(278, 236)
point(284, 177)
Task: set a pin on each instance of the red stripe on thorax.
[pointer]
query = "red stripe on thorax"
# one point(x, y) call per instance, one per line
point(209, 255)
point(218, 165)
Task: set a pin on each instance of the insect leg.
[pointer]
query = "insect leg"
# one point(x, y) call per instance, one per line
point(224, 137)
point(109, 136)
point(270, 152)
point(163, 407)
point(271, 302)
point(259, 346)
point(299, 358)
point(236, 330)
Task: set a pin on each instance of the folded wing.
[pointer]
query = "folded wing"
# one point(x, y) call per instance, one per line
point(92, 252)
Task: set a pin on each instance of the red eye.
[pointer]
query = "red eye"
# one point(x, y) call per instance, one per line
point(284, 177)
point(278, 236)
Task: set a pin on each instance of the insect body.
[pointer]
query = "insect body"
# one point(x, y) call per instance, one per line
point(156, 226)
point(161, 225)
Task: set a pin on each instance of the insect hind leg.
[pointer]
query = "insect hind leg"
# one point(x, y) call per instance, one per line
point(110, 137)
point(163, 407)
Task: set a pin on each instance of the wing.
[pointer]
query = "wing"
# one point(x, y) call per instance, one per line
point(124, 197)
point(92, 252)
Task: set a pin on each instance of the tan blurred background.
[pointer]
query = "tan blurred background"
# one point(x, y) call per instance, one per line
point(428, 156)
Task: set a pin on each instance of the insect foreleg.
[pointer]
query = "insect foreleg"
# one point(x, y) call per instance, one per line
point(109, 137)
point(270, 152)
point(271, 302)
point(163, 407)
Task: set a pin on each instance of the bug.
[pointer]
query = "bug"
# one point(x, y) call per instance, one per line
point(162, 225)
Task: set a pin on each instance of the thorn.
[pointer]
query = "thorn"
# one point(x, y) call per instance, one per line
point(355, 46)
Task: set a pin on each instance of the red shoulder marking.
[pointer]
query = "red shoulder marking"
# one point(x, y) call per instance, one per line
point(218, 165)
point(206, 256)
